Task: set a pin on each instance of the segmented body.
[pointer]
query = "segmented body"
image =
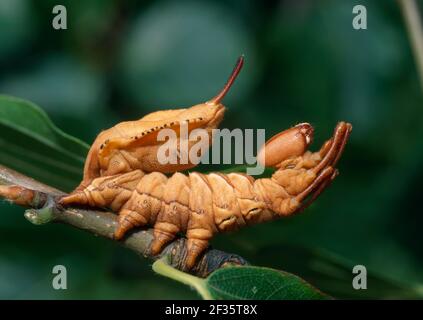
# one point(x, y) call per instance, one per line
point(198, 205)
point(201, 205)
point(214, 202)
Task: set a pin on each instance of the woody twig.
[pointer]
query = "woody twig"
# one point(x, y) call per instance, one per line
point(41, 203)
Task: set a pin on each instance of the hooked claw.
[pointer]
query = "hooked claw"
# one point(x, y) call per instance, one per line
point(305, 176)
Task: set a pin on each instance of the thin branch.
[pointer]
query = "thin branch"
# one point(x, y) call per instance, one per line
point(43, 208)
point(412, 19)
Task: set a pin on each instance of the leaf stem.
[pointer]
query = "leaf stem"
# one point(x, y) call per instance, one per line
point(163, 268)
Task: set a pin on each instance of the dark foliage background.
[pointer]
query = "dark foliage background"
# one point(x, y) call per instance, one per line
point(119, 60)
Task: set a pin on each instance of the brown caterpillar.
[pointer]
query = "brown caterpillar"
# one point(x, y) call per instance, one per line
point(201, 205)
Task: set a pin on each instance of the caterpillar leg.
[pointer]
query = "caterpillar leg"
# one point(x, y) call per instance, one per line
point(332, 150)
point(198, 241)
point(297, 203)
point(128, 219)
point(78, 197)
point(343, 144)
point(135, 213)
point(319, 190)
point(165, 228)
point(174, 214)
point(329, 153)
point(316, 188)
point(162, 236)
point(194, 248)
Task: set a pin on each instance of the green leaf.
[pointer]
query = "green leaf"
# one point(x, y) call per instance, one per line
point(259, 283)
point(30, 143)
point(244, 283)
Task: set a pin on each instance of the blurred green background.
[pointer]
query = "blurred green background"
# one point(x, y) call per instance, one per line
point(119, 60)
